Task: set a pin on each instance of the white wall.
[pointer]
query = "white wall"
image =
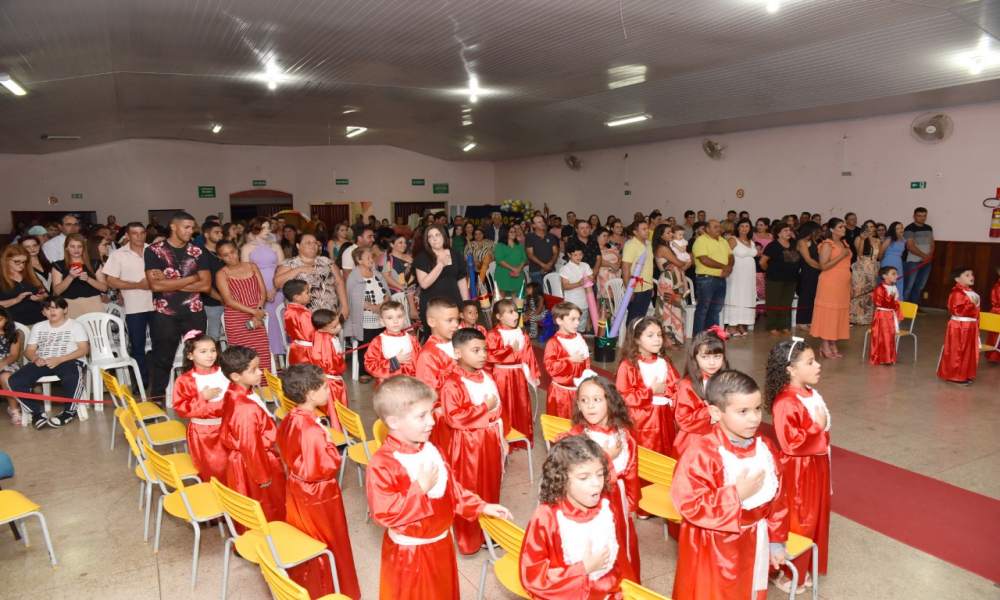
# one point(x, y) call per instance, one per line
point(785, 170)
point(129, 177)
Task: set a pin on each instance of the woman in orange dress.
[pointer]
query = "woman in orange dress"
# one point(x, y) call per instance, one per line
point(832, 309)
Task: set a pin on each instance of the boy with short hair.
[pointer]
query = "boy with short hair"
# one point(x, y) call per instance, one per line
point(469, 311)
point(572, 275)
point(327, 354)
point(566, 358)
point(885, 322)
point(394, 351)
point(313, 502)
point(298, 320)
point(470, 407)
point(248, 431)
point(413, 493)
point(728, 486)
point(437, 357)
point(54, 347)
point(960, 355)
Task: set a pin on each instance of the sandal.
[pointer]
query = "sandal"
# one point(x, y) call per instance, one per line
point(365, 379)
point(15, 416)
point(785, 584)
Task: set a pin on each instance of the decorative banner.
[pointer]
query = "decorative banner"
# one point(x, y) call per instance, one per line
point(588, 286)
point(519, 302)
point(629, 291)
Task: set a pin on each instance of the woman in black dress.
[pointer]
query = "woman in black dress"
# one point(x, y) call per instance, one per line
point(440, 272)
point(808, 247)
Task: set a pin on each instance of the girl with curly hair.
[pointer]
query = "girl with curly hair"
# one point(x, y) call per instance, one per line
point(572, 545)
point(646, 379)
point(600, 414)
point(706, 356)
point(197, 396)
point(802, 425)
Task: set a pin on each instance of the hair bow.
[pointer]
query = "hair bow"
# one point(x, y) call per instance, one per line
point(795, 340)
point(190, 335)
point(719, 332)
point(587, 374)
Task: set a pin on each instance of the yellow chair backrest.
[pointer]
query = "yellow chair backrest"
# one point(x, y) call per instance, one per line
point(908, 309)
point(130, 404)
point(283, 400)
point(112, 384)
point(989, 322)
point(634, 591)
point(351, 422)
point(508, 536)
point(553, 426)
point(281, 585)
point(655, 467)
point(165, 470)
point(131, 434)
point(245, 511)
point(273, 381)
point(380, 432)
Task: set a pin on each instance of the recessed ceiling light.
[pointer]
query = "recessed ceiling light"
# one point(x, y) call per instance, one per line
point(11, 85)
point(627, 120)
point(469, 146)
point(271, 85)
point(216, 128)
point(773, 6)
point(466, 122)
point(467, 109)
point(977, 65)
point(353, 131)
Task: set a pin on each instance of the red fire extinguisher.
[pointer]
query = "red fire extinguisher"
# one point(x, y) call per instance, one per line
point(995, 220)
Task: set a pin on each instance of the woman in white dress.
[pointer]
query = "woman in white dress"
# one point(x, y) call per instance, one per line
point(741, 286)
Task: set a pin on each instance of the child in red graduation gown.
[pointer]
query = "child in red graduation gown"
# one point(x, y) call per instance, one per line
point(600, 414)
point(566, 358)
point(574, 545)
point(960, 356)
point(298, 320)
point(197, 396)
point(513, 366)
point(802, 426)
point(327, 354)
point(437, 357)
point(470, 407)
point(394, 351)
point(706, 356)
point(728, 487)
point(313, 502)
point(248, 432)
point(991, 339)
point(885, 323)
point(413, 493)
point(646, 379)
point(469, 311)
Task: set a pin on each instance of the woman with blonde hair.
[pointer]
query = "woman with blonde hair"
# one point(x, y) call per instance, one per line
point(79, 278)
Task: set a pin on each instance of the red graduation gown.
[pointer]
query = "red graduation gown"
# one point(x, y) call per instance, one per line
point(207, 452)
point(718, 537)
point(805, 454)
point(298, 328)
point(691, 414)
point(561, 394)
point(314, 502)
point(991, 339)
point(507, 368)
point(884, 326)
point(433, 366)
point(481, 329)
point(654, 423)
point(248, 431)
point(625, 480)
point(474, 450)
point(961, 341)
point(545, 571)
point(416, 572)
point(325, 355)
point(380, 367)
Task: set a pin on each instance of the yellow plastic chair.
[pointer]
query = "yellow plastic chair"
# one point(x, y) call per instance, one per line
point(288, 546)
point(269, 393)
point(517, 436)
point(552, 427)
point(655, 498)
point(634, 591)
point(144, 471)
point(281, 585)
point(157, 434)
point(909, 311)
point(380, 432)
point(148, 410)
point(14, 508)
point(798, 545)
point(195, 504)
point(988, 323)
point(359, 448)
point(510, 537)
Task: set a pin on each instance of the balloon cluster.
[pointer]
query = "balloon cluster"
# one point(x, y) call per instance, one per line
point(516, 206)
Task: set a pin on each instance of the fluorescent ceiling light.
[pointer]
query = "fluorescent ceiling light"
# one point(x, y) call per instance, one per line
point(626, 75)
point(11, 85)
point(773, 6)
point(353, 131)
point(627, 120)
point(469, 146)
point(271, 85)
point(216, 128)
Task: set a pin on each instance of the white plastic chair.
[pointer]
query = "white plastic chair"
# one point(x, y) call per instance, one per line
point(47, 381)
point(552, 285)
point(402, 299)
point(178, 363)
point(223, 339)
point(689, 309)
point(280, 316)
point(104, 355)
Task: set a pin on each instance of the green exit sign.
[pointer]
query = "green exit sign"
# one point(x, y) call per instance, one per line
point(417, 181)
point(259, 182)
point(76, 196)
point(918, 185)
point(628, 192)
point(440, 188)
point(342, 182)
point(206, 191)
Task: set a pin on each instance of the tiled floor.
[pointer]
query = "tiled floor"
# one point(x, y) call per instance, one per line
point(902, 415)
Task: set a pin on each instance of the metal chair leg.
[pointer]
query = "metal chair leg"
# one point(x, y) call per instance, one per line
point(194, 558)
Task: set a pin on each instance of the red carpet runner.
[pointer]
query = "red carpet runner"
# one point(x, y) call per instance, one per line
point(945, 521)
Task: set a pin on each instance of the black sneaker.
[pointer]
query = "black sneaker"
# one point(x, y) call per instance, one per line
point(63, 418)
point(40, 422)
point(966, 382)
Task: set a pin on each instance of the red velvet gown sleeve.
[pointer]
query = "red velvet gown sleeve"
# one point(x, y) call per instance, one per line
point(298, 326)
point(249, 433)
point(991, 339)
point(433, 365)
point(324, 355)
point(528, 356)
point(960, 358)
point(639, 400)
point(377, 365)
point(204, 443)
point(498, 351)
point(797, 433)
point(692, 416)
point(631, 474)
point(189, 403)
point(562, 371)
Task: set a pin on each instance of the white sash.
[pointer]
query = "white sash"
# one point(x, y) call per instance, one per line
point(303, 343)
point(210, 380)
point(964, 319)
point(653, 372)
point(600, 531)
point(209, 422)
point(427, 456)
point(405, 540)
point(393, 345)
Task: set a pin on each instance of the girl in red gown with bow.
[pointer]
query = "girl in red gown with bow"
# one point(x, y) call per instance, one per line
point(566, 358)
point(802, 426)
point(885, 322)
point(198, 395)
point(394, 351)
point(513, 366)
point(298, 320)
point(646, 379)
point(706, 356)
point(327, 354)
point(313, 502)
point(960, 355)
point(574, 545)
